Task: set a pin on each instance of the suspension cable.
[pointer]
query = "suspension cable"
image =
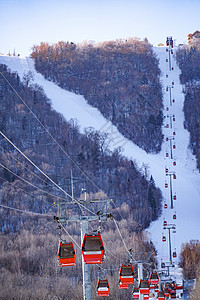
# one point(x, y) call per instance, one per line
point(121, 236)
point(24, 166)
point(29, 182)
point(25, 211)
point(34, 164)
point(48, 131)
point(24, 191)
point(44, 173)
point(70, 235)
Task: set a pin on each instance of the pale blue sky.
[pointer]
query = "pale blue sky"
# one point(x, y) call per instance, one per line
point(24, 23)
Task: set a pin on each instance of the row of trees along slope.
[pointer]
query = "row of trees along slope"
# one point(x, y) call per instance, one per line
point(188, 58)
point(28, 260)
point(120, 78)
point(111, 172)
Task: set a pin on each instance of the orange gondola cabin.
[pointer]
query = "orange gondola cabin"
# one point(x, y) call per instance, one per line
point(161, 295)
point(144, 286)
point(93, 249)
point(126, 274)
point(66, 254)
point(103, 288)
point(166, 292)
point(136, 293)
point(154, 278)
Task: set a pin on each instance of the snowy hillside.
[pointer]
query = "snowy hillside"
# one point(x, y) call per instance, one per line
point(187, 184)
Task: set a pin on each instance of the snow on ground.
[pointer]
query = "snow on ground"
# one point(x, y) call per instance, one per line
point(187, 184)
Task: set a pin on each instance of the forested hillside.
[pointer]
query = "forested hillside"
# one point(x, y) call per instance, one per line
point(110, 172)
point(29, 242)
point(188, 58)
point(120, 78)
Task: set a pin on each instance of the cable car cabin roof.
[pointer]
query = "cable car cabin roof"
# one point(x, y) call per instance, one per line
point(66, 251)
point(126, 271)
point(154, 276)
point(92, 243)
point(66, 254)
point(144, 283)
point(102, 284)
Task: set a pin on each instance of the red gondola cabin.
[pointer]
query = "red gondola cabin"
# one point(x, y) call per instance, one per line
point(156, 288)
point(66, 254)
point(165, 223)
point(126, 274)
point(154, 278)
point(136, 293)
point(92, 249)
point(144, 286)
point(178, 286)
point(162, 265)
point(161, 295)
point(103, 288)
point(166, 292)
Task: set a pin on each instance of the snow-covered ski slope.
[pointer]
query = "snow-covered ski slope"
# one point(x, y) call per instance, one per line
point(187, 183)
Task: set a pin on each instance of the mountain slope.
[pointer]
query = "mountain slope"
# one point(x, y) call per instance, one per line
point(188, 179)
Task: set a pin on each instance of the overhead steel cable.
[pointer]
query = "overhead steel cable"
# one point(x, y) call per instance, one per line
point(48, 131)
point(121, 236)
point(34, 164)
point(24, 191)
point(25, 167)
point(70, 235)
point(44, 173)
point(25, 211)
point(3, 166)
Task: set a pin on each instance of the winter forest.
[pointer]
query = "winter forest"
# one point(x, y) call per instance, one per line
point(122, 80)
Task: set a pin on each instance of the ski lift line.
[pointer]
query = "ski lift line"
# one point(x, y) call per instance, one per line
point(34, 164)
point(121, 236)
point(25, 211)
point(49, 132)
point(28, 182)
point(32, 195)
point(70, 236)
point(39, 188)
point(26, 168)
point(117, 210)
point(43, 174)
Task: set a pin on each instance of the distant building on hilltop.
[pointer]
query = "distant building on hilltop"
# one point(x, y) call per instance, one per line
point(193, 37)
